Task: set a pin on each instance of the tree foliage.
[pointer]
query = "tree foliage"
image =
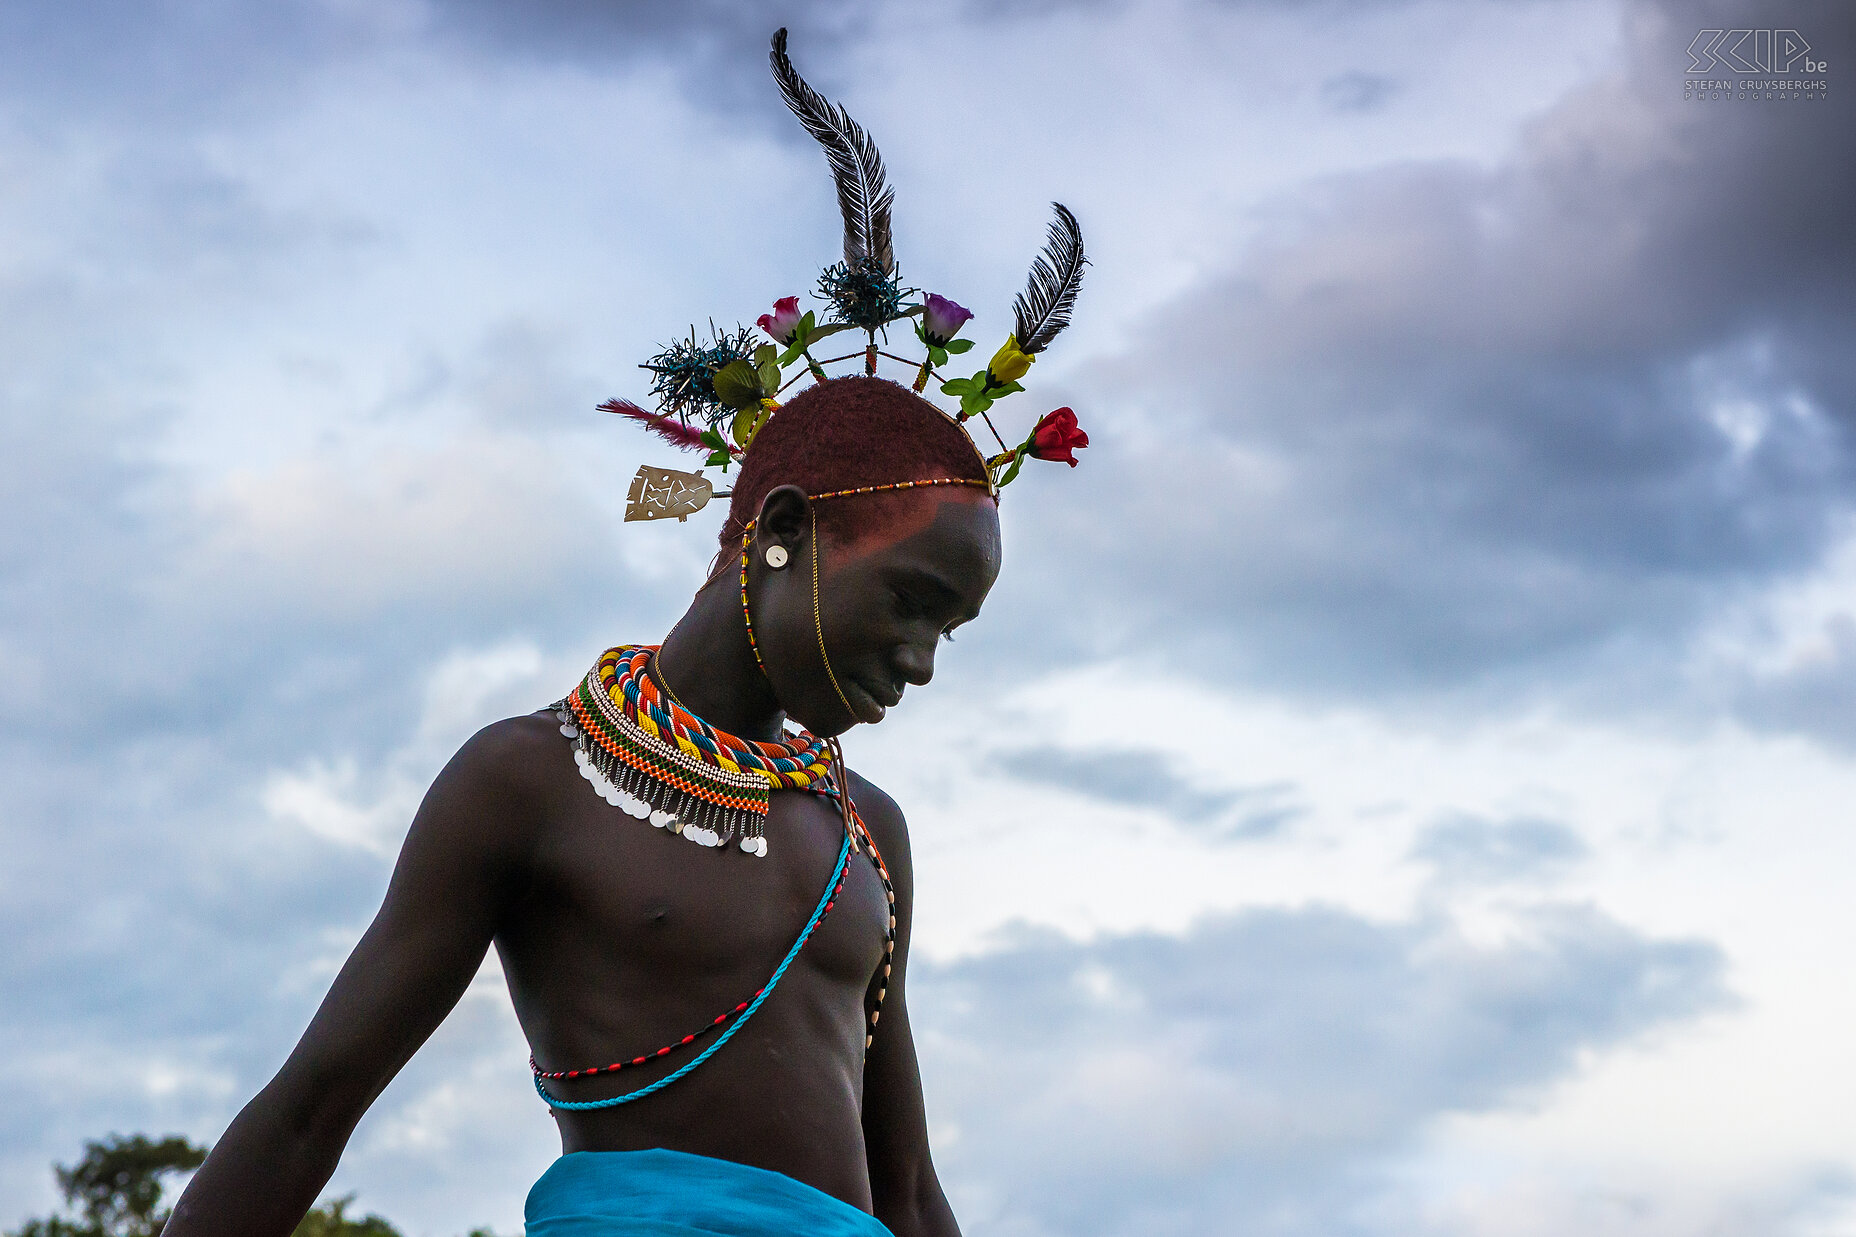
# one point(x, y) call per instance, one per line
point(116, 1191)
point(116, 1188)
point(331, 1220)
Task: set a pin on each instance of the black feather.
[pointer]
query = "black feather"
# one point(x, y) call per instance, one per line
point(856, 165)
point(1043, 308)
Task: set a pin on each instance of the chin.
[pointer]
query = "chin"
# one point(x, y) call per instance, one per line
point(826, 715)
point(827, 721)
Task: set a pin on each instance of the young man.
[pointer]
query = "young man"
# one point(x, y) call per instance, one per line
point(616, 936)
point(721, 1029)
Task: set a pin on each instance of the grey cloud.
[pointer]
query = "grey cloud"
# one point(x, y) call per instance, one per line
point(606, 30)
point(1358, 91)
point(183, 60)
point(1249, 1076)
point(1451, 428)
point(1472, 849)
point(1816, 694)
point(192, 63)
point(1146, 781)
point(717, 49)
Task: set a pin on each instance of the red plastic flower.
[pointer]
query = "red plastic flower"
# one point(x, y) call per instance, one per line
point(1057, 436)
point(780, 323)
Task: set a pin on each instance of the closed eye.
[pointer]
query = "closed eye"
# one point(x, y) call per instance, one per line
point(919, 596)
point(910, 607)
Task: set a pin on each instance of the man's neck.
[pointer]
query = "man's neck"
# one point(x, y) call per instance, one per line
point(708, 667)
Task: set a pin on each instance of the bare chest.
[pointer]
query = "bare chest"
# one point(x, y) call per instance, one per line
point(621, 900)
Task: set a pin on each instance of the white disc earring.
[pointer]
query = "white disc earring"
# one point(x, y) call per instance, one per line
point(776, 556)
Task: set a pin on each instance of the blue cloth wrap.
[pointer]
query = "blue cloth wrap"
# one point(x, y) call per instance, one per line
point(675, 1194)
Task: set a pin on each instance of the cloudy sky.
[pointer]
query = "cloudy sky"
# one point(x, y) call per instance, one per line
point(1400, 785)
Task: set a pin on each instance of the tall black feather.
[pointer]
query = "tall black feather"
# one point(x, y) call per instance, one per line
point(856, 165)
point(1043, 308)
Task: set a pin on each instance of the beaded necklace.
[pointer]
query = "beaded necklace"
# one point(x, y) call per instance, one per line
point(653, 759)
point(647, 755)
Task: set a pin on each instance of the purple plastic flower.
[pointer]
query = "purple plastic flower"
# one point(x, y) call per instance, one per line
point(780, 323)
point(942, 319)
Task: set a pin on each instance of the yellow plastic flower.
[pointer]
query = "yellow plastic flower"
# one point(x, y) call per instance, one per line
point(1010, 363)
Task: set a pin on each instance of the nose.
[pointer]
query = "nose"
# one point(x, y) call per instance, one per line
point(914, 661)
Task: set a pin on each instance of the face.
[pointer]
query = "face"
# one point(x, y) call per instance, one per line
point(884, 606)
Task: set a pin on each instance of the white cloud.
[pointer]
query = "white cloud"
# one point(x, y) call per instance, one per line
point(1264, 1064)
point(321, 800)
point(303, 488)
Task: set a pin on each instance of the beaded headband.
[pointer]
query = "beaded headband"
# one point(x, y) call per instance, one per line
point(715, 395)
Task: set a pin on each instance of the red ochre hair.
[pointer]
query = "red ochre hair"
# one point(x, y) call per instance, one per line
point(843, 434)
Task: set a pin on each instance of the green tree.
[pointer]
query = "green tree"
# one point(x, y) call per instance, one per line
point(331, 1220)
point(117, 1186)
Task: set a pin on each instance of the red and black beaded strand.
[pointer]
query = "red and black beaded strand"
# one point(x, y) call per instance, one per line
point(854, 824)
point(718, 1021)
point(889, 931)
point(860, 835)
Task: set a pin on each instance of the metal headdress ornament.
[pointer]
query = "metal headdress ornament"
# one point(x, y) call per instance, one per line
point(713, 396)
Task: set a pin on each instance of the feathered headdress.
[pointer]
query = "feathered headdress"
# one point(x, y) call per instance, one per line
point(713, 396)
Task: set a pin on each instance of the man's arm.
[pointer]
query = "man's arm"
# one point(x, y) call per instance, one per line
point(460, 869)
point(905, 1192)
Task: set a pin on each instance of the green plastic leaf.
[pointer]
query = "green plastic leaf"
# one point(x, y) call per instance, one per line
point(1018, 462)
point(937, 355)
point(958, 346)
point(957, 386)
point(769, 373)
point(764, 354)
point(717, 457)
point(710, 438)
point(737, 384)
point(747, 424)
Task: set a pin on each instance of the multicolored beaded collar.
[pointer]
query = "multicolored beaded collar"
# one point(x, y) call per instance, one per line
point(653, 759)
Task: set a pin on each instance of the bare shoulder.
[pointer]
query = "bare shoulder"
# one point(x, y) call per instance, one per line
point(512, 752)
point(501, 781)
point(886, 824)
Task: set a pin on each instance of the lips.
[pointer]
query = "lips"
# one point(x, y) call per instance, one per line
point(869, 704)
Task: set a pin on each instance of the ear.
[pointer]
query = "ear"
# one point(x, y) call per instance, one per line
point(784, 520)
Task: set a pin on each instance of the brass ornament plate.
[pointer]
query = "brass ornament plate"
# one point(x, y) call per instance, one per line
point(660, 493)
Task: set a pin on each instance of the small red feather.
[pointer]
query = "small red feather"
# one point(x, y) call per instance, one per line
point(663, 424)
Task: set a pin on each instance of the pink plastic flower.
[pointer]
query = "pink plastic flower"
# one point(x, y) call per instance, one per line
point(942, 319)
point(780, 323)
